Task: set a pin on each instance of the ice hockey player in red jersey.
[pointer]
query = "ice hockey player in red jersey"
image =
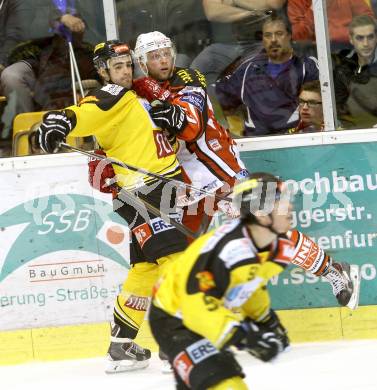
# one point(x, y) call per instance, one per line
point(207, 153)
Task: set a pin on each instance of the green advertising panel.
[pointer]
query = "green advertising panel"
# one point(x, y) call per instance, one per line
point(336, 205)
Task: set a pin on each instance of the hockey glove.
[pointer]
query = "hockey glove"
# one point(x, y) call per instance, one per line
point(260, 341)
point(100, 174)
point(169, 116)
point(54, 129)
point(273, 323)
point(150, 89)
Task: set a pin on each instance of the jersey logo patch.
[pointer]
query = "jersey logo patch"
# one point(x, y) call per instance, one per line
point(309, 254)
point(112, 89)
point(137, 303)
point(236, 251)
point(183, 366)
point(142, 233)
point(201, 350)
point(201, 78)
point(194, 99)
point(214, 144)
point(159, 225)
point(238, 295)
point(185, 76)
point(163, 146)
point(206, 280)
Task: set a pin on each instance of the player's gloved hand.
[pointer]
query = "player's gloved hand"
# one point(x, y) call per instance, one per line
point(260, 341)
point(273, 323)
point(100, 173)
point(54, 129)
point(168, 116)
point(150, 89)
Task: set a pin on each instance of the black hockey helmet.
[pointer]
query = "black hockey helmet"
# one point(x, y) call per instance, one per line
point(109, 49)
point(259, 192)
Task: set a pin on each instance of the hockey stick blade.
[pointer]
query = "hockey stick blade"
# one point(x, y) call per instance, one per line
point(355, 277)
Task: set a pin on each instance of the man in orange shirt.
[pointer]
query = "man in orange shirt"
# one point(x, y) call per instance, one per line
point(339, 14)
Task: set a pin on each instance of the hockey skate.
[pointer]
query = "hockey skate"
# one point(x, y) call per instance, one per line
point(126, 355)
point(345, 281)
point(166, 366)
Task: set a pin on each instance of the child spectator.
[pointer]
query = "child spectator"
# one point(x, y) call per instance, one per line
point(310, 108)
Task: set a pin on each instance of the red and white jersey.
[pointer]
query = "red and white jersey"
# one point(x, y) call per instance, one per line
point(206, 151)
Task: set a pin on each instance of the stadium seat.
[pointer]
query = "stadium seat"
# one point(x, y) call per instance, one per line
point(23, 125)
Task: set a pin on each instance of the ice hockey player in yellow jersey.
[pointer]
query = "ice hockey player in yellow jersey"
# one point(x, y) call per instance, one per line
point(120, 121)
point(215, 295)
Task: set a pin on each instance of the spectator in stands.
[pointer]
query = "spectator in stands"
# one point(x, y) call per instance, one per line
point(72, 13)
point(355, 78)
point(269, 84)
point(310, 108)
point(183, 21)
point(11, 16)
point(373, 4)
point(339, 15)
point(12, 13)
point(39, 77)
point(236, 28)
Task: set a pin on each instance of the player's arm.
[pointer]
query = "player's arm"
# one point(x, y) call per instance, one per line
point(307, 254)
point(183, 114)
point(195, 107)
point(77, 121)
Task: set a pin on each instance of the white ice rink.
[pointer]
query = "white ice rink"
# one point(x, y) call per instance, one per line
point(350, 365)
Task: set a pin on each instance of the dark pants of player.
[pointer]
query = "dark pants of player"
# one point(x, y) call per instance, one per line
point(197, 363)
point(152, 238)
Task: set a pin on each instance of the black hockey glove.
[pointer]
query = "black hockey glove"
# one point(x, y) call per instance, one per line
point(54, 129)
point(273, 323)
point(260, 341)
point(168, 116)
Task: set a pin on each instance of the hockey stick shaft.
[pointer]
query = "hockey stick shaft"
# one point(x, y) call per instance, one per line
point(143, 171)
point(137, 202)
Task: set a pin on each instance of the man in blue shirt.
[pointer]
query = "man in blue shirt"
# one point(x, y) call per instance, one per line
point(268, 85)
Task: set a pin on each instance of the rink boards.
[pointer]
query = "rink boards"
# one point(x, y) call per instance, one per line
point(63, 252)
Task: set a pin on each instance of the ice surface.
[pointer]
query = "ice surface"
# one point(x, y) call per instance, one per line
point(345, 365)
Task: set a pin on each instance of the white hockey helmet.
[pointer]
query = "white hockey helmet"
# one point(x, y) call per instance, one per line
point(151, 41)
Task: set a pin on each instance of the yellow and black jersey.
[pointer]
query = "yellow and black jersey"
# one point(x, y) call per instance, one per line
point(120, 121)
point(221, 279)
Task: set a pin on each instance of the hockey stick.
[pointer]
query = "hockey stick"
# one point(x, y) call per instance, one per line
point(138, 202)
point(143, 171)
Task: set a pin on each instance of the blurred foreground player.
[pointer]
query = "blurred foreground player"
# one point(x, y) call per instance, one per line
point(215, 296)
